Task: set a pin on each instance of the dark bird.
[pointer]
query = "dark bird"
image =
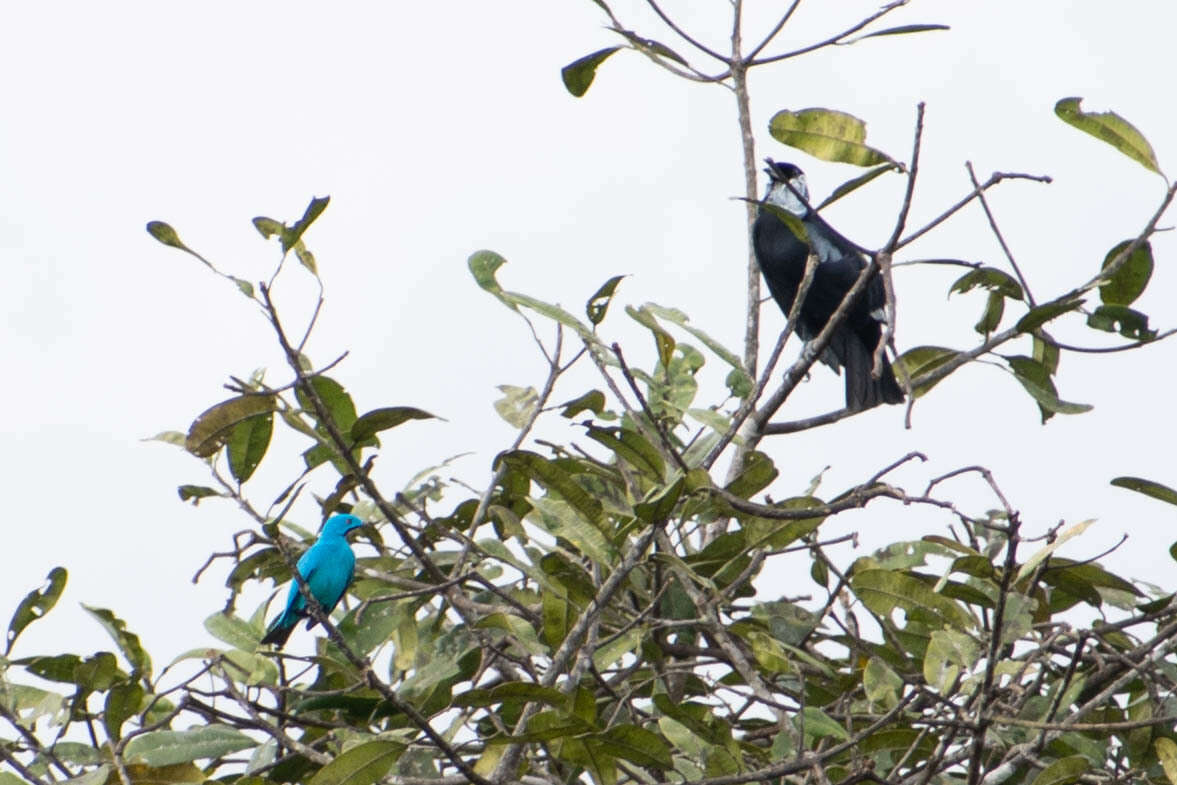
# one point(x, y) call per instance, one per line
point(782, 258)
point(327, 567)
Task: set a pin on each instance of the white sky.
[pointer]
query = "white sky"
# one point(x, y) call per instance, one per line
point(444, 129)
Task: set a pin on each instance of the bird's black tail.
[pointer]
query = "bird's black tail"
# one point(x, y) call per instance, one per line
point(863, 391)
point(279, 632)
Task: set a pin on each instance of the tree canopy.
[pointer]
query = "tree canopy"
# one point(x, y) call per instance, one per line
point(596, 611)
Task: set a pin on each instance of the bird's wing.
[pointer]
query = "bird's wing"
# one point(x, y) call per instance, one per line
point(333, 572)
point(309, 565)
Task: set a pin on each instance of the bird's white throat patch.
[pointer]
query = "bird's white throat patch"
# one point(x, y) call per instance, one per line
point(780, 195)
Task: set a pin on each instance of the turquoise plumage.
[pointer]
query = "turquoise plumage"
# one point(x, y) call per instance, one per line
point(327, 567)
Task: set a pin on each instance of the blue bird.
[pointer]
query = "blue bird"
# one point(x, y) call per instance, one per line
point(327, 567)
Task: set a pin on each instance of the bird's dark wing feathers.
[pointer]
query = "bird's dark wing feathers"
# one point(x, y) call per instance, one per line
point(782, 260)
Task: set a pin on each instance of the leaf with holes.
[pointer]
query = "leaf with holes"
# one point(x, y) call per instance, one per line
point(1128, 322)
point(598, 304)
point(36, 604)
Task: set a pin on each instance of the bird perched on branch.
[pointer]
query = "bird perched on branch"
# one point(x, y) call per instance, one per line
point(782, 257)
point(327, 567)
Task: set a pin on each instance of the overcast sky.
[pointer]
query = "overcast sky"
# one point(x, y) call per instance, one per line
point(444, 129)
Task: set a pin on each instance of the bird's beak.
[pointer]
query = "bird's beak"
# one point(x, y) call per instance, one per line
point(770, 170)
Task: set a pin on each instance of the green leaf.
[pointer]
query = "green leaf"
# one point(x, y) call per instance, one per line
point(122, 703)
point(1111, 128)
point(757, 474)
point(578, 75)
point(234, 631)
point(637, 745)
point(651, 47)
point(779, 534)
point(679, 318)
point(1063, 771)
point(1126, 321)
point(517, 405)
point(368, 626)
point(243, 286)
point(292, 235)
point(168, 236)
point(483, 266)
point(98, 673)
point(1148, 488)
point(140, 774)
point(919, 361)
point(904, 30)
point(819, 724)
point(1035, 380)
point(36, 604)
point(1046, 351)
point(267, 227)
point(605, 656)
point(511, 691)
point(632, 448)
point(552, 477)
point(247, 444)
point(663, 341)
point(306, 258)
point(1044, 552)
point(1166, 750)
point(593, 400)
point(996, 281)
point(598, 304)
point(1130, 279)
point(881, 684)
point(98, 776)
point(377, 420)
point(553, 312)
point(521, 629)
point(949, 653)
point(769, 653)
point(169, 747)
point(854, 183)
point(361, 765)
point(660, 508)
point(212, 428)
point(884, 590)
point(738, 383)
point(1039, 316)
point(336, 400)
point(195, 493)
point(168, 437)
point(61, 667)
point(555, 610)
point(826, 134)
point(128, 642)
point(991, 316)
point(562, 520)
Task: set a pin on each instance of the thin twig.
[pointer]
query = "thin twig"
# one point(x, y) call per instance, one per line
point(832, 40)
point(997, 233)
point(686, 36)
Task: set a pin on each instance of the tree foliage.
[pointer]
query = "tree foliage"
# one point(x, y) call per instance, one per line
point(592, 614)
